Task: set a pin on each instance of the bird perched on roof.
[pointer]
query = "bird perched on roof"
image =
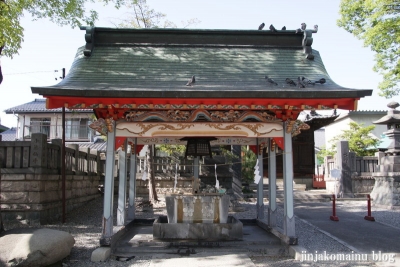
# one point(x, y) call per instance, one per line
point(321, 81)
point(300, 83)
point(261, 26)
point(303, 26)
point(191, 81)
point(313, 112)
point(284, 28)
point(290, 81)
point(307, 81)
point(272, 28)
point(269, 80)
point(315, 29)
point(393, 105)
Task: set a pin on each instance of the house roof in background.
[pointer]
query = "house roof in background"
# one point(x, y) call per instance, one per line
point(319, 119)
point(350, 113)
point(99, 146)
point(3, 128)
point(39, 106)
point(9, 135)
point(133, 67)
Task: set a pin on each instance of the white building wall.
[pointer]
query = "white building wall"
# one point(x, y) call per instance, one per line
point(342, 123)
point(24, 122)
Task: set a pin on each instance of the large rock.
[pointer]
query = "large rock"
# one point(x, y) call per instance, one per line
point(34, 247)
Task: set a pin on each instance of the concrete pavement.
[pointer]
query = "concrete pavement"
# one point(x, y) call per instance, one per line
point(352, 230)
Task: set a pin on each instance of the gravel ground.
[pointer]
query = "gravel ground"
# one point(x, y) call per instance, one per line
point(84, 224)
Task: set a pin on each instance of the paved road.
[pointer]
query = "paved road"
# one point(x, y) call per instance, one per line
point(359, 234)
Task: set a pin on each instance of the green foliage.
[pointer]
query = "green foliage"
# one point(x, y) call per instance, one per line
point(172, 149)
point(359, 139)
point(377, 23)
point(324, 152)
point(249, 160)
point(228, 154)
point(61, 12)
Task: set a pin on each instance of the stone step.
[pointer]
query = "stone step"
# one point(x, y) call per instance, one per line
point(279, 186)
point(139, 241)
point(298, 196)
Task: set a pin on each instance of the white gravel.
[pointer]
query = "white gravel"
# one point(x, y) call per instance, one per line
point(85, 224)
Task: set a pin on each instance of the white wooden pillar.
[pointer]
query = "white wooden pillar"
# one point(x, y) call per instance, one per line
point(122, 160)
point(272, 211)
point(132, 183)
point(288, 220)
point(260, 186)
point(108, 189)
point(196, 167)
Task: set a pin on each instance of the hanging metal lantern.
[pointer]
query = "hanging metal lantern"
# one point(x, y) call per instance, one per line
point(198, 146)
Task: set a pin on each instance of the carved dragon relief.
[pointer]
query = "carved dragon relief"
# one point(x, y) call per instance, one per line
point(296, 126)
point(252, 127)
point(162, 126)
point(103, 126)
point(195, 115)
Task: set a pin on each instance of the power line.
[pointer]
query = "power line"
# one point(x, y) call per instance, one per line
point(18, 73)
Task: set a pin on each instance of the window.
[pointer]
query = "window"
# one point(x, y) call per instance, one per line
point(77, 128)
point(41, 125)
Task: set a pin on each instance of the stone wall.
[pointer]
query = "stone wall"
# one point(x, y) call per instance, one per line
point(35, 199)
point(386, 191)
point(31, 181)
point(356, 173)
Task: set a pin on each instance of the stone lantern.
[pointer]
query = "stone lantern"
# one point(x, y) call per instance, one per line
point(392, 120)
point(386, 191)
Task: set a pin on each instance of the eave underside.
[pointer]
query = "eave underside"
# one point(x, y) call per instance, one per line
point(201, 103)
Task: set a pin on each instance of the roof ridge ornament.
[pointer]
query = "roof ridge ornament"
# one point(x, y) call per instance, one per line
point(89, 38)
point(307, 39)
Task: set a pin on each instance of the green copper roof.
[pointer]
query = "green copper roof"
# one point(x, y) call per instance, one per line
point(158, 63)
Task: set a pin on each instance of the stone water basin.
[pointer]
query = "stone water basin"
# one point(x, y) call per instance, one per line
point(198, 216)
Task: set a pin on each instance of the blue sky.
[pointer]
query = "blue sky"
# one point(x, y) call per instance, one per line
point(48, 47)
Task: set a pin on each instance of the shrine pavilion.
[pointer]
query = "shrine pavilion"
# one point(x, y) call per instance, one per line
point(241, 87)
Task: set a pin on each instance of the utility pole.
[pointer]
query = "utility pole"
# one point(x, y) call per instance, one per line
point(63, 179)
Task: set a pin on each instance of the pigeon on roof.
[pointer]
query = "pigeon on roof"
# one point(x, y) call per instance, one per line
point(261, 26)
point(270, 80)
point(191, 81)
point(307, 81)
point(290, 81)
point(313, 112)
point(284, 28)
point(393, 105)
point(272, 28)
point(300, 83)
point(321, 81)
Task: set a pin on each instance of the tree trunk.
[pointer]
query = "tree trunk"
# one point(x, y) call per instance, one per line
point(1, 218)
point(1, 74)
point(152, 181)
point(1, 224)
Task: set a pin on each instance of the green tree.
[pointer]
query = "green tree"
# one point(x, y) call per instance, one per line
point(61, 12)
point(377, 23)
point(360, 140)
point(249, 160)
point(172, 149)
point(325, 152)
